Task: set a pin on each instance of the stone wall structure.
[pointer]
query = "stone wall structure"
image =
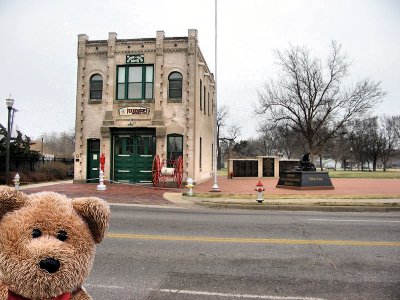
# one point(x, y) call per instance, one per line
point(125, 108)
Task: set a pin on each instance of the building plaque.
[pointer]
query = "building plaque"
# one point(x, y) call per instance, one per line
point(135, 59)
point(135, 110)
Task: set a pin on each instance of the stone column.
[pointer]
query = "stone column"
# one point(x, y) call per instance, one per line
point(190, 139)
point(158, 118)
point(80, 154)
point(109, 103)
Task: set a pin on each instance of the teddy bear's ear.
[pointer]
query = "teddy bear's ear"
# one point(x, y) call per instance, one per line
point(96, 213)
point(10, 200)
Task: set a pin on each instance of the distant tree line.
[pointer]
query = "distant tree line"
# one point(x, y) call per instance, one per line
point(364, 143)
point(24, 159)
point(307, 108)
point(59, 144)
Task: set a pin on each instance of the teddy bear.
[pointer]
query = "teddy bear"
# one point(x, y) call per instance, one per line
point(47, 244)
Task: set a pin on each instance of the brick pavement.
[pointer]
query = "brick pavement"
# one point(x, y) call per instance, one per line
point(343, 186)
point(115, 193)
point(139, 194)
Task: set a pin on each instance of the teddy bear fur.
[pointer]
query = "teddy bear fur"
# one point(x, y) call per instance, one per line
point(47, 244)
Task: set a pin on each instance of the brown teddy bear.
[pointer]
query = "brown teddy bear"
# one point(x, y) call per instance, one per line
point(47, 244)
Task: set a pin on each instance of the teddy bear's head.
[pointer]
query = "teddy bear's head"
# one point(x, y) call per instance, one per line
point(47, 241)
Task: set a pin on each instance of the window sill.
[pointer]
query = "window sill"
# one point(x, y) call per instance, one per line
point(129, 101)
point(171, 100)
point(97, 101)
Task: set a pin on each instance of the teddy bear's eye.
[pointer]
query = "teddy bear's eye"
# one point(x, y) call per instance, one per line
point(36, 233)
point(62, 235)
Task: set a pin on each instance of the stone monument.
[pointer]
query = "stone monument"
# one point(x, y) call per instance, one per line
point(305, 177)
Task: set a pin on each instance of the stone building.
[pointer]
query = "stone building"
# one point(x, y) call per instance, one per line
point(140, 97)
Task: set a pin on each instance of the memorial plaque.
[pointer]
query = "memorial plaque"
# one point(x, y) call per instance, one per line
point(303, 180)
point(245, 168)
point(268, 167)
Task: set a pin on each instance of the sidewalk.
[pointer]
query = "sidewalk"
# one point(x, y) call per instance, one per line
point(348, 195)
point(115, 193)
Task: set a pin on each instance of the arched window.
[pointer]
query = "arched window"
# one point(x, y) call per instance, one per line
point(175, 85)
point(96, 87)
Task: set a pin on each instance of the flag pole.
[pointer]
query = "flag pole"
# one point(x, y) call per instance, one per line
point(215, 187)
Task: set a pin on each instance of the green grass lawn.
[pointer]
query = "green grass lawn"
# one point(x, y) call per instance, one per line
point(379, 174)
point(222, 172)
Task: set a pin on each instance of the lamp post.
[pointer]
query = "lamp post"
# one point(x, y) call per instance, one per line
point(42, 136)
point(9, 103)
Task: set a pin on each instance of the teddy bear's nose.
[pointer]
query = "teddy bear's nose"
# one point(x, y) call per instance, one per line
point(51, 265)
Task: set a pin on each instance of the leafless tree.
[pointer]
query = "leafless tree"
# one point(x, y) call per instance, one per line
point(308, 96)
point(389, 132)
point(222, 116)
point(364, 141)
point(60, 144)
point(280, 140)
point(229, 139)
point(225, 138)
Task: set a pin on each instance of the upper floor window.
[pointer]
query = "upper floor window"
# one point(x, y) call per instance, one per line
point(204, 99)
point(175, 85)
point(201, 94)
point(135, 82)
point(208, 103)
point(96, 87)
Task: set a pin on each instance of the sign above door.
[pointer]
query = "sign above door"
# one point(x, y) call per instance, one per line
point(134, 110)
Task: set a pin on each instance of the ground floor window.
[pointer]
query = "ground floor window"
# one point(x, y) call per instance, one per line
point(174, 147)
point(200, 152)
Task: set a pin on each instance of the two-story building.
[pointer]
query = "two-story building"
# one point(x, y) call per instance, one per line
point(140, 97)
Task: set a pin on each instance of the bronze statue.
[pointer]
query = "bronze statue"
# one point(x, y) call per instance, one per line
point(305, 164)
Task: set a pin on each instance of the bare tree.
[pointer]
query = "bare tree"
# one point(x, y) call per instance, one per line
point(389, 132)
point(280, 140)
point(341, 148)
point(60, 144)
point(309, 97)
point(361, 136)
point(228, 140)
point(222, 116)
point(51, 142)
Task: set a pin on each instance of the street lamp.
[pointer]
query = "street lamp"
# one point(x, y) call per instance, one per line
point(9, 103)
point(42, 136)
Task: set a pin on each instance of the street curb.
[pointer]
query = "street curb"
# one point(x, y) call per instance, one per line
point(285, 207)
point(43, 184)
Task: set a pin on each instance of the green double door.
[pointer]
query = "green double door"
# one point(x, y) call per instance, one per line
point(133, 157)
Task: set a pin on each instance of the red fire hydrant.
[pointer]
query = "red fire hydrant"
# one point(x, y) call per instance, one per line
point(260, 189)
point(101, 186)
point(102, 161)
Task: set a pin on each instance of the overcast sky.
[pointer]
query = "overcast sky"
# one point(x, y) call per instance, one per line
point(39, 41)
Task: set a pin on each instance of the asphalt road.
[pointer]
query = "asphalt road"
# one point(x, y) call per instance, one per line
point(156, 253)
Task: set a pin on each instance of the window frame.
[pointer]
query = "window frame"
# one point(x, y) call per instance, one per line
point(208, 103)
point(127, 81)
point(204, 99)
point(201, 154)
point(179, 88)
point(169, 153)
point(201, 95)
point(93, 89)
